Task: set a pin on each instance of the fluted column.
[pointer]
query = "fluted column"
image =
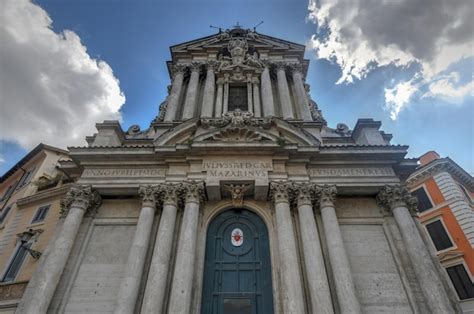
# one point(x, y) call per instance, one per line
point(267, 93)
point(249, 93)
point(128, 293)
point(292, 290)
point(79, 200)
point(181, 290)
point(302, 100)
point(209, 88)
point(173, 98)
point(345, 289)
point(160, 263)
point(257, 109)
point(191, 94)
point(219, 94)
point(319, 291)
point(399, 201)
point(284, 92)
point(225, 106)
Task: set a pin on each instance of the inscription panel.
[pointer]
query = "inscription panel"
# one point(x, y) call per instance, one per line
point(123, 173)
point(236, 169)
point(351, 172)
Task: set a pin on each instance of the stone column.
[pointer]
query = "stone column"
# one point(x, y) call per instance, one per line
point(173, 98)
point(219, 94)
point(304, 112)
point(341, 270)
point(257, 109)
point(284, 92)
point(160, 263)
point(292, 290)
point(191, 93)
point(79, 200)
point(399, 201)
point(249, 93)
point(209, 88)
point(128, 293)
point(181, 290)
point(267, 93)
point(226, 94)
point(319, 291)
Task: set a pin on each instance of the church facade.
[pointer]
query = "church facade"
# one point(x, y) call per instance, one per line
point(239, 198)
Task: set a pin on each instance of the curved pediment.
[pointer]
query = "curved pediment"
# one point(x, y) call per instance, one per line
point(236, 127)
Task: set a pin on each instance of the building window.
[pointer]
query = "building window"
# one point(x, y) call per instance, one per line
point(9, 191)
point(238, 98)
point(424, 202)
point(16, 262)
point(40, 214)
point(461, 281)
point(26, 178)
point(4, 213)
point(439, 235)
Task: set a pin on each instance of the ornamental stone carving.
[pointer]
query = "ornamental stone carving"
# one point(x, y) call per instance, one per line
point(82, 197)
point(237, 192)
point(170, 193)
point(280, 192)
point(148, 195)
point(392, 196)
point(193, 192)
point(304, 194)
point(237, 135)
point(195, 66)
point(178, 69)
point(296, 67)
point(237, 118)
point(238, 48)
point(326, 195)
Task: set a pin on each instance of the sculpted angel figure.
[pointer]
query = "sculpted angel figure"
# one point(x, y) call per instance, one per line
point(237, 192)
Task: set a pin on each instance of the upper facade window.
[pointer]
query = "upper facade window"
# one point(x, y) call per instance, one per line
point(424, 202)
point(439, 235)
point(238, 98)
point(461, 281)
point(26, 178)
point(9, 191)
point(40, 214)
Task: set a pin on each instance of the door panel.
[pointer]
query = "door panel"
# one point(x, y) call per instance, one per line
point(237, 272)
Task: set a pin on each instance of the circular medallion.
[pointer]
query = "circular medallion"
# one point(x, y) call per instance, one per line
point(237, 237)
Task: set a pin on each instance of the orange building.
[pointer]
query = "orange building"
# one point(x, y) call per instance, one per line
point(445, 195)
point(30, 193)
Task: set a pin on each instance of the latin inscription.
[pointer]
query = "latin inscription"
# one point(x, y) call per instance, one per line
point(350, 172)
point(236, 169)
point(129, 173)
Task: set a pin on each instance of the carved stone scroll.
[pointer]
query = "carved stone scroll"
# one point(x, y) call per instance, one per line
point(82, 197)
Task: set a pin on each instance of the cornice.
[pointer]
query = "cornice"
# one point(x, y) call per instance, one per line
point(440, 165)
point(44, 195)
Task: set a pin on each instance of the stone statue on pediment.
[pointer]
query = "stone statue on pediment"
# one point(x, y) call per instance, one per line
point(238, 48)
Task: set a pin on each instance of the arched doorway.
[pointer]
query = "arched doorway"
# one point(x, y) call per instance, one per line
point(237, 270)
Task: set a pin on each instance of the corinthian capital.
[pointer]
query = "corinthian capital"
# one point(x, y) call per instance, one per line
point(280, 192)
point(296, 68)
point(211, 65)
point(170, 193)
point(392, 196)
point(82, 197)
point(280, 66)
point(193, 192)
point(195, 66)
point(178, 68)
point(148, 195)
point(304, 193)
point(326, 195)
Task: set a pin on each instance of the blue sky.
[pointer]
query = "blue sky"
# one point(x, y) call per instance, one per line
point(133, 38)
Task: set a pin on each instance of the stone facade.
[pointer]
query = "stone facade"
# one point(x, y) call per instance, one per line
point(239, 134)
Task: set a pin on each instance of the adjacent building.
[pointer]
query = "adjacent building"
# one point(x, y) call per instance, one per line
point(445, 195)
point(238, 198)
point(30, 193)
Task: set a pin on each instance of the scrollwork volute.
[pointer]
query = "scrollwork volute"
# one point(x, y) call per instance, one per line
point(178, 69)
point(326, 195)
point(148, 195)
point(82, 197)
point(392, 196)
point(195, 67)
point(296, 68)
point(304, 194)
point(193, 192)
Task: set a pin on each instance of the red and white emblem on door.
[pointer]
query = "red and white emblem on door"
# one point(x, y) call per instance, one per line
point(237, 237)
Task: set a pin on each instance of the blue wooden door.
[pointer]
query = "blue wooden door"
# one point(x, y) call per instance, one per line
point(237, 273)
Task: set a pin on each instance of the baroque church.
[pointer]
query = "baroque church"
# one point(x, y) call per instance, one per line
point(239, 198)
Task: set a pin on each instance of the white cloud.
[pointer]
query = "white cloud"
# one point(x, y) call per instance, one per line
point(2, 159)
point(360, 35)
point(51, 90)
